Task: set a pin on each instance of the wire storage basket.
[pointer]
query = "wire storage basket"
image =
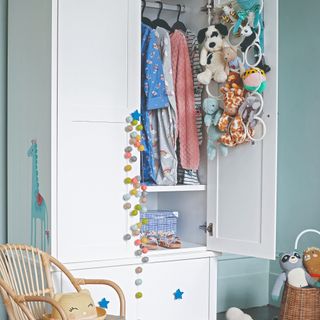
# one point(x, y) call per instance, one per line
point(300, 303)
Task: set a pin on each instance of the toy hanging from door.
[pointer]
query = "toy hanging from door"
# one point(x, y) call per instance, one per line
point(39, 212)
point(238, 70)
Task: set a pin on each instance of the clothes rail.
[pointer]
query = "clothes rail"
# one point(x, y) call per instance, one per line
point(170, 7)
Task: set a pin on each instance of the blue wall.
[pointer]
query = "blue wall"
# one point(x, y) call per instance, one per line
point(299, 147)
point(3, 49)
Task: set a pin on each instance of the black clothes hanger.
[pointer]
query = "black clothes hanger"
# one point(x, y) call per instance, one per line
point(160, 22)
point(179, 25)
point(145, 20)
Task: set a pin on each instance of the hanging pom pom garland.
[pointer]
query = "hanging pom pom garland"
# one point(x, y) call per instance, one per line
point(136, 197)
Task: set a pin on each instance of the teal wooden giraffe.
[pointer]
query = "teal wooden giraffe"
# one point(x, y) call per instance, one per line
point(39, 210)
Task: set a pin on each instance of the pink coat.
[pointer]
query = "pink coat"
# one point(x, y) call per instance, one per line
point(184, 90)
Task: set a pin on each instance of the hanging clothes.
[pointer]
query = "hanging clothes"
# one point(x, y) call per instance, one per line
point(165, 120)
point(194, 53)
point(191, 177)
point(183, 82)
point(153, 96)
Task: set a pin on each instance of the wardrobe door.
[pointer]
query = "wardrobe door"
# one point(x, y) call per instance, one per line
point(242, 186)
point(98, 50)
point(98, 85)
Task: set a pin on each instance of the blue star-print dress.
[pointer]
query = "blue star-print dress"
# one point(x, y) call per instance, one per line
point(153, 96)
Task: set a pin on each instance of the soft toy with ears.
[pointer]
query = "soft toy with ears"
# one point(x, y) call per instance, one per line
point(237, 314)
point(211, 56)
point(212, 115)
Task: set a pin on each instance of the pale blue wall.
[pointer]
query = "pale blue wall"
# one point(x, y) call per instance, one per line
point(3, 50)
point(299, 145)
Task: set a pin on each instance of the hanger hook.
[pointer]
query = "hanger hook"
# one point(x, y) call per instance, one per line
point(161, 7)
point(180, 9)
point(144, 4)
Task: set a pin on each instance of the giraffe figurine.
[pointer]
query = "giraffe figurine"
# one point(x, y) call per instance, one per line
point(38, 205)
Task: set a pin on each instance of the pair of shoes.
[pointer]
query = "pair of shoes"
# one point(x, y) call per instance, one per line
point(168, 240)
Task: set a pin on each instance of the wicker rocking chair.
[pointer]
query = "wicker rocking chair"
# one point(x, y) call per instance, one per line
point(26, 283)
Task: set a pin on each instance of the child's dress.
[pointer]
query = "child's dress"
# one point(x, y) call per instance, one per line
point(153, 96)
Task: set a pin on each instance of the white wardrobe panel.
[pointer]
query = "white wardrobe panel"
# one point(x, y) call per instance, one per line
point(242, 186)
point(93, 59)
point(162, 280)
point(91, 221)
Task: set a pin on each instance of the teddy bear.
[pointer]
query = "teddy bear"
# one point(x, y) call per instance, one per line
point(211, 56)
point(231, 57)
point(212, 115)
point(237, 314)
point(293, 272)
point(311, 261)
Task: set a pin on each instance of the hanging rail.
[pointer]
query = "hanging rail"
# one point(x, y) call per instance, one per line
point(170, 7)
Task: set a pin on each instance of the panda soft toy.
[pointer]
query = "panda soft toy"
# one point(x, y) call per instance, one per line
point(237, 314)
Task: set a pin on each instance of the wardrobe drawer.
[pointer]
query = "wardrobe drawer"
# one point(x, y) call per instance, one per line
point(196, 278)
point(124, 276)
point(162, 280)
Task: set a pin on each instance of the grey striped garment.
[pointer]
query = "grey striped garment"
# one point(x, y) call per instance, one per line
point(194, 53)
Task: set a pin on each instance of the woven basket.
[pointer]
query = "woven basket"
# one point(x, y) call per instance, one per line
point(300, 304)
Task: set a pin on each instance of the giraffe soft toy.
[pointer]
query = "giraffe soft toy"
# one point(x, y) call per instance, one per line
point(39, 210)
point(231, 123)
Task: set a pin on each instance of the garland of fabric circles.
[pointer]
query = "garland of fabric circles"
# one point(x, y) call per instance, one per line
point(136, 198)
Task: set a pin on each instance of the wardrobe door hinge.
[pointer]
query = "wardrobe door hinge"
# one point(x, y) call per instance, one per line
point(207, 228)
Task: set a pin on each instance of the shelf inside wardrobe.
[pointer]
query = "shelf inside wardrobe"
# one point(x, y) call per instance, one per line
point(185, 248)
point(177, 188)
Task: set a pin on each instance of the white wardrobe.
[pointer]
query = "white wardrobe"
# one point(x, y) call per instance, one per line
point(74, 76)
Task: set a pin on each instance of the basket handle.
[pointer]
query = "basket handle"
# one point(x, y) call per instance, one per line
point(302, 233)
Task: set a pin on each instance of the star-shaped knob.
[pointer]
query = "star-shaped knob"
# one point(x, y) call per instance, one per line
point(178, 295)
point(136, 115)
point(104, 303)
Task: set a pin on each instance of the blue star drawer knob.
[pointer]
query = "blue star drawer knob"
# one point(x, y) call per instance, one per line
point(178, 295)
point(135, 115)
point(104, 303)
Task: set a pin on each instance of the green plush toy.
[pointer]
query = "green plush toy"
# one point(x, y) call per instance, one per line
point(212, 115)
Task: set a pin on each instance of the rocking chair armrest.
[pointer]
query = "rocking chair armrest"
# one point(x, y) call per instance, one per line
point(111, 284)
point(9, 293)
point(48, 300)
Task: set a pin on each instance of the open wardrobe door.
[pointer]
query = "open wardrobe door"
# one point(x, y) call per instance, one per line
point(241, 188)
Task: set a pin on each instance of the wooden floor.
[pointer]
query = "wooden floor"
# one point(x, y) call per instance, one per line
point(261, 313)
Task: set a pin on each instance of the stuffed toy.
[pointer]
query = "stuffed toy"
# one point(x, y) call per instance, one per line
point(311, 261)
point(77, 306)
point(250, 107)
point(212, 115)
point(231, 57)
point(293, 272)
point(211, 56)
point(229, 15)
point(250, 37)
point(230, 123)
point(254, 79)
point(237, 314)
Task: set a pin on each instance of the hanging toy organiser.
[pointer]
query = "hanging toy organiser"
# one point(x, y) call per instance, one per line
point(300, 303)
point(233, 60)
